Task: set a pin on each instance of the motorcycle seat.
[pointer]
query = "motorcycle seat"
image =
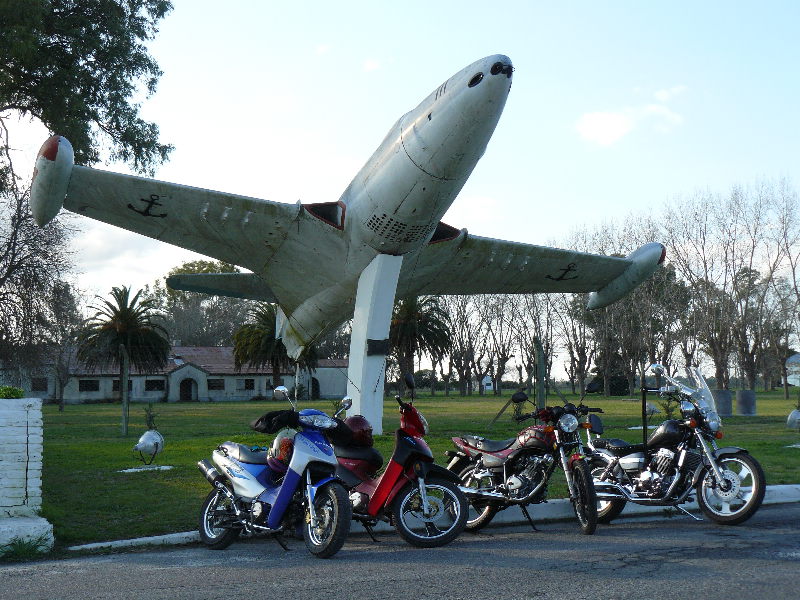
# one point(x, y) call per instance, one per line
point(616, 446)
point(482, 443)
point(371, 455)
point(243, 454)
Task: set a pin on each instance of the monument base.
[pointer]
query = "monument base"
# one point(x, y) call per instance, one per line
point(27, 529)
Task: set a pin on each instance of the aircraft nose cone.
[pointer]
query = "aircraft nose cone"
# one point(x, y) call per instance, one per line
point(502, 67)
point(447, 134)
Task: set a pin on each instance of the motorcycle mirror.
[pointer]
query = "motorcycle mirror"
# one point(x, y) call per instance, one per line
point(409, 379)
point(282, 393)
point(657, 369)
point(596, 423)
point(344, 405)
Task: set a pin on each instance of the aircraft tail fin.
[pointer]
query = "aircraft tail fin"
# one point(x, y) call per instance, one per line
point(236, 285)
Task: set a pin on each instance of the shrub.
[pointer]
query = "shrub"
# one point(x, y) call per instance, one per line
point(7, 391)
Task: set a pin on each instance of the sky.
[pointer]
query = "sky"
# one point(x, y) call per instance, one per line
point(615, 108)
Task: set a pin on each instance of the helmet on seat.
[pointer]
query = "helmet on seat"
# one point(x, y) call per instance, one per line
point(280, 453)
point(362, 430)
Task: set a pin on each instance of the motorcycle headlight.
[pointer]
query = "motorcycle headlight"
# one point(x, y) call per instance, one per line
point(318, 421)
point(713, 421)
point(568, 423)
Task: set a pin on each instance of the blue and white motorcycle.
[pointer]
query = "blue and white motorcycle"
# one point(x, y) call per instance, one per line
point(291, 485)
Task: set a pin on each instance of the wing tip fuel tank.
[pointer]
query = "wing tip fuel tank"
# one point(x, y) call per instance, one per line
point(51, 178)
point(644, 262)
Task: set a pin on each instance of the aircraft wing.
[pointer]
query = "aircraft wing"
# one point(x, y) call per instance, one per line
point(225, 226)
point(469, 264)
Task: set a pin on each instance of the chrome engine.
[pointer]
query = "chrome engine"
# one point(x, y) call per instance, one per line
point(529, 474)
point(655, 479)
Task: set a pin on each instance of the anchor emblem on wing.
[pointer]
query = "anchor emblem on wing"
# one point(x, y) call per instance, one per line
point(153, 201)
point(570, 268)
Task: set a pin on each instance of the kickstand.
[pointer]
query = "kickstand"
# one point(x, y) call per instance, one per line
point(279, 538)
point(680, 508)
point(368, 527)
point(527, 516)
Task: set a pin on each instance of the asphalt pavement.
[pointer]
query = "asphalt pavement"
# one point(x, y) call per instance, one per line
point(644, 558)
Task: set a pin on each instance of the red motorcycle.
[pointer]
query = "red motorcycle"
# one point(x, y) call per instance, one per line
point(421, 499)
point(516, 471)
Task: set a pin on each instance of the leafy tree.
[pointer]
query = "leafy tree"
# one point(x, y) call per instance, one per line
point(419, 325)
point(197, 319)
point(76, 67)
point(254, 344)
point(124, 332)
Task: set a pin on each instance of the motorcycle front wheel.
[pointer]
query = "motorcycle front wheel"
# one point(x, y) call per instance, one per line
point(333, 510)
point(585, 500)
point(742, 495)
point(216, 519)
point(607, 510)
point(446, 519)
point(480, 512)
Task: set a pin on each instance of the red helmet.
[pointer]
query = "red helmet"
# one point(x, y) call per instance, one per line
point(362, 430)
point(280, 453)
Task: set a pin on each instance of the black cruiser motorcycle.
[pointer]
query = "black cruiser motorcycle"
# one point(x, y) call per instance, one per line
point(680, 456)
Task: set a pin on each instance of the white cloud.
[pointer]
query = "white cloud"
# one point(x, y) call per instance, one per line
point(607, 128)
point(371, 64)
point(668, 94)
point(604, 128)
point(323, 49)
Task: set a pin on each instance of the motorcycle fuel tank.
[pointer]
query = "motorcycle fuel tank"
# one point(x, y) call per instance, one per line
point(535, 437)
point(669, 433)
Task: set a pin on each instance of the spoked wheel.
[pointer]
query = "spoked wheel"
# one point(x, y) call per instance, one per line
point(585, 501)
point(742, 494)
point(218, 523)
point(481, 512)
point(443, 522)
point(333, 511)
point(607, 510)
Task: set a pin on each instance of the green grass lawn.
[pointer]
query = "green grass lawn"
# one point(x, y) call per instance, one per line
point(87, 499)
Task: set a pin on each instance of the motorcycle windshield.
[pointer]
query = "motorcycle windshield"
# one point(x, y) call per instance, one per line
point(703, 395)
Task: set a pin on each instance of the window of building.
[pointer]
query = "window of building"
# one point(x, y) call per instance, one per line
point(39, 384)
point(88, 385)
point(115, 385)
point(154, 385)
point(245, 384)
point(216, 384)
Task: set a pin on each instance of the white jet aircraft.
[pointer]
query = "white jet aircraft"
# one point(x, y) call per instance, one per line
point(324, 262)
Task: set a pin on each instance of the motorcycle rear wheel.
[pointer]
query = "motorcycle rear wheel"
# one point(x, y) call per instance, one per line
point(742, 500)
point(585, 501)
point(217, 509)
point(481, 512)
point(333, 510)
point(449, 513)
point(607, 510)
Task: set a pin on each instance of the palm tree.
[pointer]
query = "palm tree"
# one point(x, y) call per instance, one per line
point(254, 344)
point(419, 325)
point(122, 332)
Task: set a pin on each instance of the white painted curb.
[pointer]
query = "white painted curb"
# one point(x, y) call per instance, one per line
point(555, 510)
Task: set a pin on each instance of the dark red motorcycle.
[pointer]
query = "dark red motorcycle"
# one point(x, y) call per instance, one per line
point(516, 471)
point(421, 499)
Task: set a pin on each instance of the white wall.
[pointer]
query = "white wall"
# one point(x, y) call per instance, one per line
point(21, 470)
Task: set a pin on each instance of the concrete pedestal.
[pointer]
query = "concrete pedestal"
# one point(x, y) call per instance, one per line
point(369, 340)
point(724, 402)
point(21, 473)
point(746, 402)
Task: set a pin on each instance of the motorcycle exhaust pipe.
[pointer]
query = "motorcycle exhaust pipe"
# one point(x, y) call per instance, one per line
point(210, 472)
point(473, 493)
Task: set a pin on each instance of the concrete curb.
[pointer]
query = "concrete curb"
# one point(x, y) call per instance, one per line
point(555, 510)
